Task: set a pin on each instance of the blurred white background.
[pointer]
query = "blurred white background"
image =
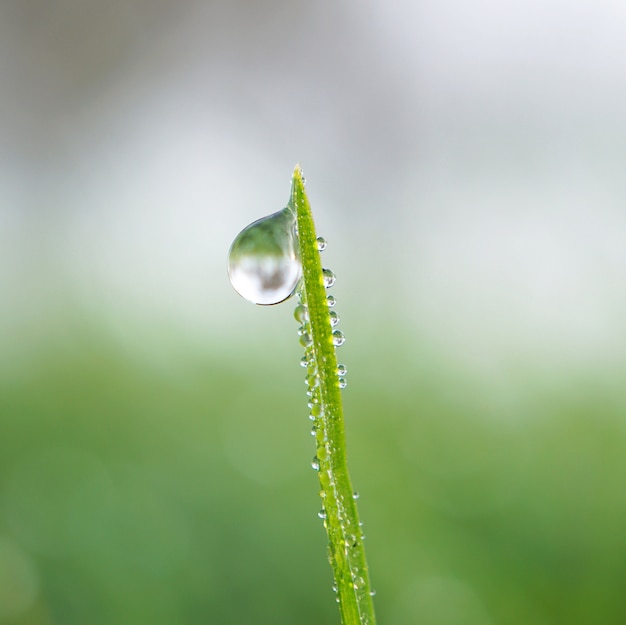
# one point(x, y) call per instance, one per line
point(464, 161)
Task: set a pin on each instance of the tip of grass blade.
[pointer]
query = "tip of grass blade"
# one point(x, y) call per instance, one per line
point(298, 176)
point(297, 187)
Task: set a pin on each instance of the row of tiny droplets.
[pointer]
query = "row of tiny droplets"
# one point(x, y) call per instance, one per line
point(301, 315)
point(316, 409)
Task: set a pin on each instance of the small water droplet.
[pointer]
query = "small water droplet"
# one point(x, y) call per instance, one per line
point(334, 587)
point(315, 463)
point(306, 340)
point(313, 431)
point(263, 262)
point(301, 314)
point(316, 409)
point(304, 361)
point(312, 380)
point(341, 369)
point(321, 243)
point(322, 514)
point(338, 338)
point(372, 593)
point(355, 495)
point(342, 382)
point(358, 583)
point(329, 278)
point(330, 300)
point(334, 318)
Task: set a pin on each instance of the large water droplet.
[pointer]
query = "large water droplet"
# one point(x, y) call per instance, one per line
point(263, 262)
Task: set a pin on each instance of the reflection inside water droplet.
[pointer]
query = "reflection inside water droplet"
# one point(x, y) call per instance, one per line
point(263, 262)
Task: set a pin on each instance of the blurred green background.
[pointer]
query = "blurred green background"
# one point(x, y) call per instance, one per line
point(465, 164)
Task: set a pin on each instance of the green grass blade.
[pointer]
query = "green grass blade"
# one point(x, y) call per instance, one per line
point(346, 549)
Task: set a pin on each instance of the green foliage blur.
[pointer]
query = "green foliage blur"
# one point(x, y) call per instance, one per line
point(178, 490)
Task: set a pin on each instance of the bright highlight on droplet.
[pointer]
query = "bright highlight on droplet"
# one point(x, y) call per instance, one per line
point(263, 262)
